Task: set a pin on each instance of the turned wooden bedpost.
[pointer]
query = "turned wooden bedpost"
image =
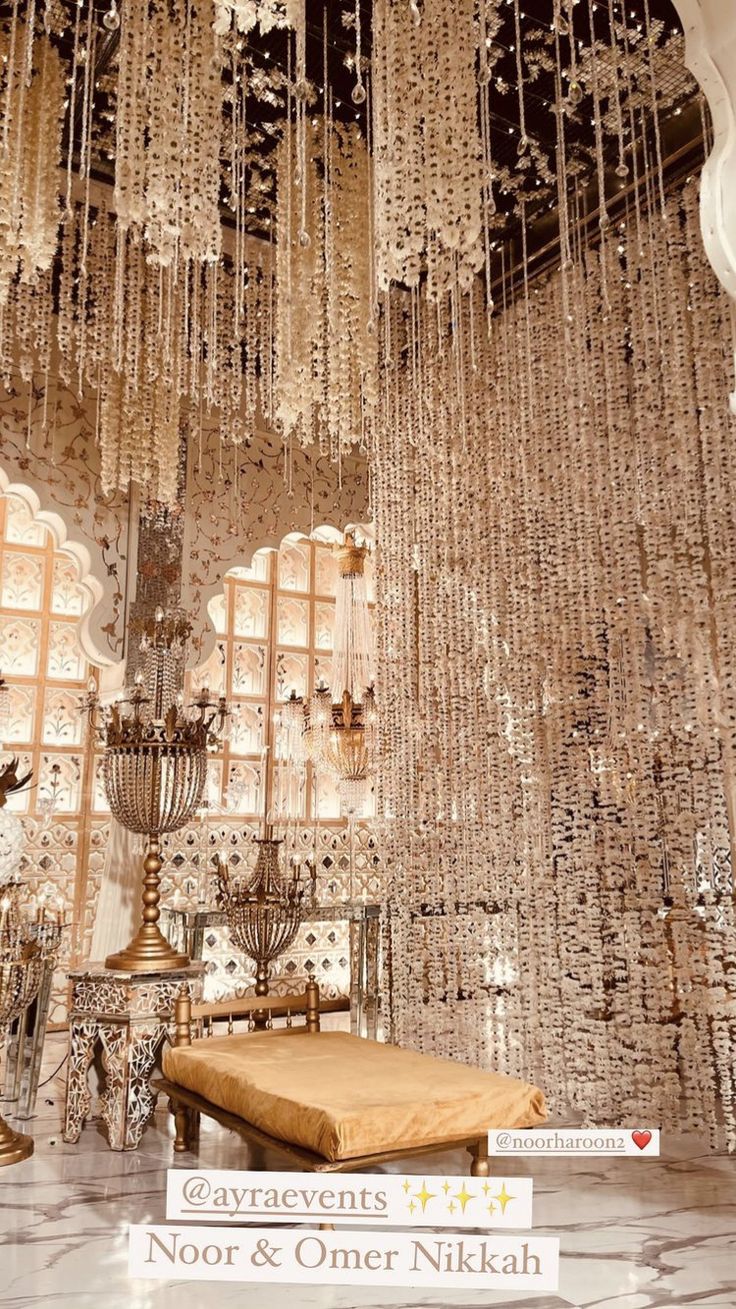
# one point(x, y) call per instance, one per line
point(312, 1005)
point(183, 1016)
point(480, 1166)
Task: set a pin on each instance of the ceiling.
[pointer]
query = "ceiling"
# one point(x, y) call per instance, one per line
point(527, 185)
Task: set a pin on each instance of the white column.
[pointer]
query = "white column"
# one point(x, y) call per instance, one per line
point(710, 54)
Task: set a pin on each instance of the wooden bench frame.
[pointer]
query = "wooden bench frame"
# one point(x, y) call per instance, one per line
point(187, 1106)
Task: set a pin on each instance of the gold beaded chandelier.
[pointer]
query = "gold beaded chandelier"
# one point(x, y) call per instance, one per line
point(264, 912)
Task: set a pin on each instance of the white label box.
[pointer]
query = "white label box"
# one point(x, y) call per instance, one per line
point(365, 1199)
point(637, 1142)
point(465, 1261)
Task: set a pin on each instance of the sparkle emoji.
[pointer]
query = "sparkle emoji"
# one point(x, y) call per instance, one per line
point(424, 1195)
point(464, 1196)
point(503, 1197)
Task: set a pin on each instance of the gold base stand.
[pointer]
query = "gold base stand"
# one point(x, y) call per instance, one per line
point(14, 1146)
point(149, 951)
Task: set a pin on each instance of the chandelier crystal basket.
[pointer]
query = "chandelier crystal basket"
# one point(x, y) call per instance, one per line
point(264, 912)
point(155, 769)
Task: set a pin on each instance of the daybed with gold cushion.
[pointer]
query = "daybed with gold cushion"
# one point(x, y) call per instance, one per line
point(330, 1100)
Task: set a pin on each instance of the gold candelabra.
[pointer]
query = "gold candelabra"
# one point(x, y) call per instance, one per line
point(155, 769)
point(265, 912)
point(27, 947)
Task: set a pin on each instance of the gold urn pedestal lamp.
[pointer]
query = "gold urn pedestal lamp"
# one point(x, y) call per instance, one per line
point(155, 769)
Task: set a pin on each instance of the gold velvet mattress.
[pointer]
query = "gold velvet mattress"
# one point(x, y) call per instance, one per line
point(342, 1096)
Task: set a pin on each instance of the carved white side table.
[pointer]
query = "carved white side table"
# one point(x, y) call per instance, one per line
point(127, 1014)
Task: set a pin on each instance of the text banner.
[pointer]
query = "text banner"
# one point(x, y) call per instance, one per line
point(226, 1196)
point(462, 1262)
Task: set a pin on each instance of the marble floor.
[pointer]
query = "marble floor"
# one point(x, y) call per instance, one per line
point(633, 1235)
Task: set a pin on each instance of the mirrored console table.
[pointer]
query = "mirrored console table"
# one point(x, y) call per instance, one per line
point(25, 1049)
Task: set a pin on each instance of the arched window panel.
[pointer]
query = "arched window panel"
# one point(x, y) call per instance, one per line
point(41, 657)
point(247, 670)
point(247, 728)
point(22, 580)
point(325, 582)
point(294, 560)
point(20, 645)
point(62, 722)
point(20, 728)
point(251, 611)
point(65, 819)
point(275, 632)
point(20, 526)
point(292, 621)
point(324, 625)
point(292, 675)
point(244, 791)
point(67, 597)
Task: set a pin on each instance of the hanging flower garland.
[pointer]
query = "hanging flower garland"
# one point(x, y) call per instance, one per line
point(32, 101)
point(556, 688)
point(429, 178)
point(246, 15)
point(325, 388)
point(170, 93)
point(161, 356)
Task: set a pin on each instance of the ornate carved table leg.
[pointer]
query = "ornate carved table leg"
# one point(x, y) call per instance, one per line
point(31, 1075)
point(128, 1101)
point(146, 1040)
point(364, 929)
point(113, 1099)
point(82, 1037)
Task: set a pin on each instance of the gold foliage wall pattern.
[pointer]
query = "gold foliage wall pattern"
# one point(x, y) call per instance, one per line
point(557, 518)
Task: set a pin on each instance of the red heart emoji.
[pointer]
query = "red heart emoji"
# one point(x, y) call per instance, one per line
point(641, 1139)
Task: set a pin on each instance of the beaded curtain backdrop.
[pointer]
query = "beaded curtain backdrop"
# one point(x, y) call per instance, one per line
point(557, 680)
point(325, 220)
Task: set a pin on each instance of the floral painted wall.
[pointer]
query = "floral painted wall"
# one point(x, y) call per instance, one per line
point(114, 557)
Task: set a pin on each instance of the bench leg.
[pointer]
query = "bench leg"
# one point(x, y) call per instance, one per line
point(480, 1166)
point(327, 1227)
point(193, 1128)
point(181, 1119)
